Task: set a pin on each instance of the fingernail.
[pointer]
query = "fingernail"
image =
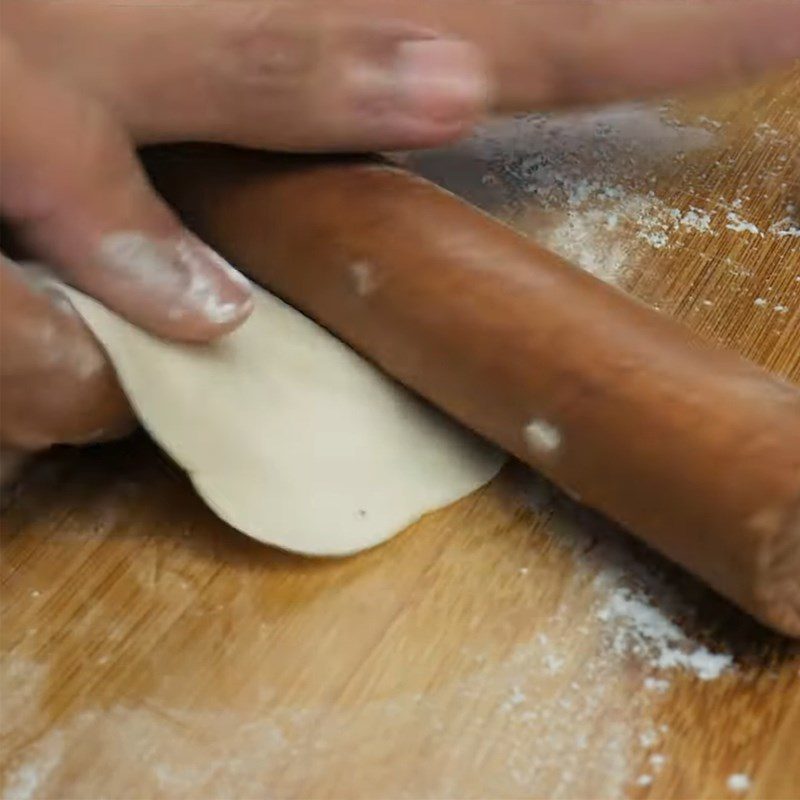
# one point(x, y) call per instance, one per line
point(181, 272)
point(441, 80)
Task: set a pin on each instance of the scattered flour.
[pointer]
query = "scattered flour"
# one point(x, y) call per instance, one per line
point(787, 226)
point(634, 602)
point(588, 176)
point(41, 759)
point(579, 169)
point(656, 684)
point(698, 220)
point(650, 737)
point(518, 697)
point(657, 760)
point(739, 225)
point(553, 662)
point(585, 183)
point(553, 735)
point(641, 629)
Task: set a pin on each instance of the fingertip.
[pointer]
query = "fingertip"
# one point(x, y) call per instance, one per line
point(217, 299)
point(440, 90)
point(187, 325)
point(176, 287)
point(441, 82)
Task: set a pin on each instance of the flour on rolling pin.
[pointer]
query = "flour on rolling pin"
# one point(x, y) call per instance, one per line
point(542, 437)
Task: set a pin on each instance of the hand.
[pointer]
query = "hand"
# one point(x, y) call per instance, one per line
point(386, 74)
point(83, 82)
point(80, 89)
point(77, 199)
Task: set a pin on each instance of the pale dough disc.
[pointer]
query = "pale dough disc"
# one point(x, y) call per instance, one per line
point(289, 435)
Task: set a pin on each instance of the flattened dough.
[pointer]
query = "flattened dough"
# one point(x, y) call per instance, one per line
point(289, 435)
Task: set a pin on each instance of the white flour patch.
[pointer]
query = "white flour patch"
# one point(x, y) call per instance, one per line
point(650, 737)
point(697, 220)
point(642, 629)
point(739, 782)
point(542, 437)
point(23, 681)
point(657, 761)
point(361, 273)
point(553, 662)
point(739, 225)
point(786, 227)
point(24, 782)
point(656, 684)
point(579, 238)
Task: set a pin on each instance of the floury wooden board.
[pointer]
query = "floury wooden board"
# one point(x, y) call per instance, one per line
point(510, 646)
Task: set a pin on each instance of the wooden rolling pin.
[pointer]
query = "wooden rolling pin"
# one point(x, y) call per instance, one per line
point(692, 448)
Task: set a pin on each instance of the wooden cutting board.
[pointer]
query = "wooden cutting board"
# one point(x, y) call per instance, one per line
point(510, 646)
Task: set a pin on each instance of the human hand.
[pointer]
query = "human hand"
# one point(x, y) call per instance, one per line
point(75, 197)
point(83, 82)
point(329, 75)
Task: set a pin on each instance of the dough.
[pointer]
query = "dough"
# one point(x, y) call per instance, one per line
point(288, 434)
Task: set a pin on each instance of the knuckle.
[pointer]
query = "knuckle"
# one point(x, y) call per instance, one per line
point(273, 48)
point(63, 393)
point(103, 143)
point(98, 175)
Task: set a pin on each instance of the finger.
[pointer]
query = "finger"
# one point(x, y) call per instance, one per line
point(75, 194)
point(316, 76)
point(278, 75)
point(55, 382)
point(559, 52)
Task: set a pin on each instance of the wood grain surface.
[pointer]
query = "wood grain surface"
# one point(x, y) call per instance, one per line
point(511, 646)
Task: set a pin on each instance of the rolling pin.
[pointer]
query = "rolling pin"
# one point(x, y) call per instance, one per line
point(692, 448)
